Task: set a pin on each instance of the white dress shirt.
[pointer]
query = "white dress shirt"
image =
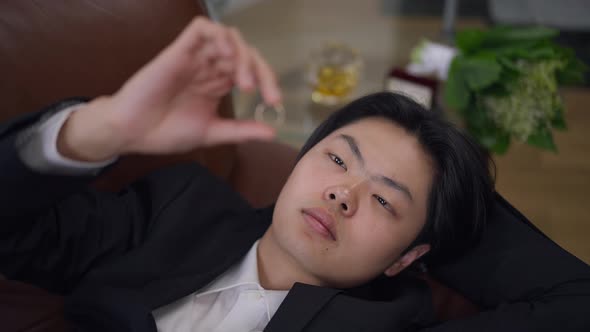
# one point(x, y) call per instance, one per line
point(40, 150)
point(235, 301)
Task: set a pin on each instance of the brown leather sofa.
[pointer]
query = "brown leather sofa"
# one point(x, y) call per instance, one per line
point(56, 49)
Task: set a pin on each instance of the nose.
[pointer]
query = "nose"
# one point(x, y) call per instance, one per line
point(342, 198)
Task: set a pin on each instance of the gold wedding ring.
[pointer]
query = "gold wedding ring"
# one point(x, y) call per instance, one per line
point(261, 111)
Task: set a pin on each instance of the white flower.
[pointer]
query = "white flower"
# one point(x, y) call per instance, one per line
point(431, 58)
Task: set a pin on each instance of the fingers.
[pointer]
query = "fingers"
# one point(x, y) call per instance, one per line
point(252, 70)
point(209, 65)
point(223, 42)
point(266, 79)
point(244, 75)
point(216, 88)
point(225, 66)
point(206, 50)
point(198, 32)
point(232, 131)
point(201, 43)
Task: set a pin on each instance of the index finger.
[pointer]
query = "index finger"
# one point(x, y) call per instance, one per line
point(266, 79)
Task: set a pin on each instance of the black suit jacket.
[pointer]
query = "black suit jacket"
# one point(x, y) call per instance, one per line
point(119, 256)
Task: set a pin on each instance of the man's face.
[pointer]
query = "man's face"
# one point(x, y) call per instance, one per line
point(354, 203)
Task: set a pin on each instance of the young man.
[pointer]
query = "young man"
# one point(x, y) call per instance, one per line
point(379, 185)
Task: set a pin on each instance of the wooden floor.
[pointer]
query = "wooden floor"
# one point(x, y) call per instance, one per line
point(553, 190)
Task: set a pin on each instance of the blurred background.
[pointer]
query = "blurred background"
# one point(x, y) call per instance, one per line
point(551, 189)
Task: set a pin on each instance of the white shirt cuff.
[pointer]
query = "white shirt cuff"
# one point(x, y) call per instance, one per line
point(40, 151)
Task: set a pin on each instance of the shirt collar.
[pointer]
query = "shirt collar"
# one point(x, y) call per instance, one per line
point(243, 273)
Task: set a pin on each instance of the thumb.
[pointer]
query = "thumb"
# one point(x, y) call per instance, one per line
point(234, 131)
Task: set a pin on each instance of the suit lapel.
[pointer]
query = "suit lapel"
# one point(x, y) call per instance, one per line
point(299, 307)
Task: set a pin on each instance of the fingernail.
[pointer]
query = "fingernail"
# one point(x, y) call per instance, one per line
point(274, 98)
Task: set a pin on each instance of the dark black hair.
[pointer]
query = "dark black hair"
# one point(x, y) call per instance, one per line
point(463, 182)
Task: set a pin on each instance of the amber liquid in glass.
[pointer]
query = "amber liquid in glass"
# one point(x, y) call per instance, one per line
point(334, 84)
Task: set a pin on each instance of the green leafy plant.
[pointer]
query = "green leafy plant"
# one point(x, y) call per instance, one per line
point(504, 83)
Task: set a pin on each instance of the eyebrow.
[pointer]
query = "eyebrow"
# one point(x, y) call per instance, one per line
point(354, 147)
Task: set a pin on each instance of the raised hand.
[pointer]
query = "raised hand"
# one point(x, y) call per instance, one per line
point(170, 105)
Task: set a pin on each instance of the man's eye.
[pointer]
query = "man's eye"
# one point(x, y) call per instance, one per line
point(337, 160)
point(382, 202)
point(386, 205)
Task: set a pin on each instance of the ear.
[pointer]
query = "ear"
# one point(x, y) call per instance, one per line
point(407, 259)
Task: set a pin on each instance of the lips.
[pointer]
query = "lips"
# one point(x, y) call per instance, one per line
point(322, 221)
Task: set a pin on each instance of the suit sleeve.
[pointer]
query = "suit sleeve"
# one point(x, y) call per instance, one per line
point(54, 228)
point(522, 279)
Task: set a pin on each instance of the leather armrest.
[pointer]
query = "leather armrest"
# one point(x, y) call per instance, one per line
point(261, 169)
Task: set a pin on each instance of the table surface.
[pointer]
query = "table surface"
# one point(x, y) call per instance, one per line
point(286, 32)
point(553, 190)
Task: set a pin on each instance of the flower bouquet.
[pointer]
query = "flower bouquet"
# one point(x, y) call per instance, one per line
point(503, 82)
